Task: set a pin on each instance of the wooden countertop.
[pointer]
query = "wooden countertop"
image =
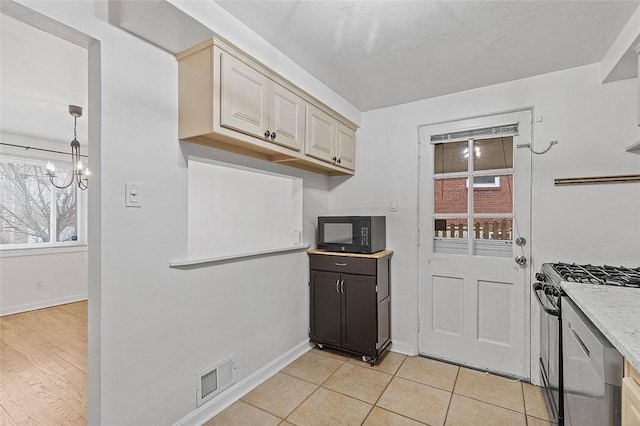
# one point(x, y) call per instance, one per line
point(376, 255)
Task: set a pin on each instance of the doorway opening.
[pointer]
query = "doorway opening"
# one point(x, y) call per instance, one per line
point(50, 339)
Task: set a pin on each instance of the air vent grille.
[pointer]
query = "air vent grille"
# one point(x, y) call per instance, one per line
point(214, 380)
point(209, 383)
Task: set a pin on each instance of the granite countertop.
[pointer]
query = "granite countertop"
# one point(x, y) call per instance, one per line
point(616, 313)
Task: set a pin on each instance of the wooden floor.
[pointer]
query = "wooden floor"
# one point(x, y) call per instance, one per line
point(43, 366)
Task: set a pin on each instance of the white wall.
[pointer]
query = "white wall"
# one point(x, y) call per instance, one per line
point(155, 327)
point(29, 281)
point(593, 124)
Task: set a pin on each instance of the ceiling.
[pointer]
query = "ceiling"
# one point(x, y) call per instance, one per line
point(381, 53)
point(41, 75)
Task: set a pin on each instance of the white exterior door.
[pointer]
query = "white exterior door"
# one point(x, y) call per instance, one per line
point(474, 205)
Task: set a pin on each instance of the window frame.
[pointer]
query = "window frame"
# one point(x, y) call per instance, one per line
point(34, 158)
point(468, 244)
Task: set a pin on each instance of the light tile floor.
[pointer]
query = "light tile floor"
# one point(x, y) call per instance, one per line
point(324, 387)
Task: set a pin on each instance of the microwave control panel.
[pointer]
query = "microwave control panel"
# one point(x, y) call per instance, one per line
point(364, 236)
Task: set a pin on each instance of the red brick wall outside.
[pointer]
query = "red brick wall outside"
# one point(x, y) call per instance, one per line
point(450, 196)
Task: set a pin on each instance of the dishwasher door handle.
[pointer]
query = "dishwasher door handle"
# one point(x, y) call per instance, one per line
point(580, 342)
point(537, 288)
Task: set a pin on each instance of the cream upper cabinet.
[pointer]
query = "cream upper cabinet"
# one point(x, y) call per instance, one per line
point(244, 97)
point(321, 134)
point(346, 148)
point(630, 396)
point(329, 139)
point(227, 100)
point(250, 102)
point(287, 118)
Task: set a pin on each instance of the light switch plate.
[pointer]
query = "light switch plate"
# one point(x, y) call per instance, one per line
point(132, 196)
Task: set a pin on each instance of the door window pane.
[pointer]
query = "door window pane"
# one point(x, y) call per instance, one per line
point(451, 195)
point(451, 157)
point(450, 228)
point(493, 194)
point(492, 154)
point(493, 228)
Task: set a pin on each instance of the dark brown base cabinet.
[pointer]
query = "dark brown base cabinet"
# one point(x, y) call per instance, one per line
point(350, 302)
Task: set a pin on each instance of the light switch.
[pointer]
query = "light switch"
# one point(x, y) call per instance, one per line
point(132, 195)
point(393, 205)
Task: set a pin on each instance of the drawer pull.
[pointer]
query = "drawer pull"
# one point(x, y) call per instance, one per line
point(340, 264)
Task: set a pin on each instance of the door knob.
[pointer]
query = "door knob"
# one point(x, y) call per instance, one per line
point(267, 134)
point(521, 241)
point(521, 260)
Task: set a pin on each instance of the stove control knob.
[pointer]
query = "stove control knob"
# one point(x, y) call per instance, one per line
point(540, 277)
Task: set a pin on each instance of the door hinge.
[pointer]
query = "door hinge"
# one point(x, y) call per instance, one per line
point(418, 234)
point(376, 289)
point(309, 331)
point(418, 323)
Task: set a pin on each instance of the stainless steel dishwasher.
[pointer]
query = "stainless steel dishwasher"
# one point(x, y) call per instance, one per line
point(593, 371)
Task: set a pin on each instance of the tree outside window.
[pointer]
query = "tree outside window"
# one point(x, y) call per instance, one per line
point(34, 212)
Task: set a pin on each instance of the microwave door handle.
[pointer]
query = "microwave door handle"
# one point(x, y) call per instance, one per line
point(537, 288)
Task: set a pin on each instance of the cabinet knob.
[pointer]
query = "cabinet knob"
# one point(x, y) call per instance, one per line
point(273, 135)
point(339, 160)
point(267, 134)
point(335, 158)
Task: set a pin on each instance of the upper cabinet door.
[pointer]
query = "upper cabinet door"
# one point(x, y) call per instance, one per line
point(346, 150)
point(321, 134)
point(286, 118)
point(244, 97)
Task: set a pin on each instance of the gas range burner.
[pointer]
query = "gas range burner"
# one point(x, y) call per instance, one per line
point(603, 275)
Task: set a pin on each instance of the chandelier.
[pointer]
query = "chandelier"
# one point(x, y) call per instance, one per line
point(79, 173)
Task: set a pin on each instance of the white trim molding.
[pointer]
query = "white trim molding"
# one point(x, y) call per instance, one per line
point(237, 391)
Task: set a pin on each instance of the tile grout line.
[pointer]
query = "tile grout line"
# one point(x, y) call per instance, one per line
point(315, 390)
point(451, 395)
point(524, 405)
point(394, 375)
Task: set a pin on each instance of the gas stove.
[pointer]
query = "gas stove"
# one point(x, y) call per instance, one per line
point(620, 276)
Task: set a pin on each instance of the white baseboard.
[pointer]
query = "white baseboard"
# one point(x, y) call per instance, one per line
point(404, 348)
point(237, 391)
point(10, 310)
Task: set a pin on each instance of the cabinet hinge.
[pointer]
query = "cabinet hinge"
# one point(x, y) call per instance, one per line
point(376, 289)
point(377, 345)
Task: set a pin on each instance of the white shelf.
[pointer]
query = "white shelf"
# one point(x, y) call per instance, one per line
point(216, 259)
point(634, 148)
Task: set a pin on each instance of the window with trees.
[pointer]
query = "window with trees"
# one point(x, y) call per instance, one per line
point(35, 213)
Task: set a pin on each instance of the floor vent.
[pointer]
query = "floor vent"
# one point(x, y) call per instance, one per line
point(214, 380)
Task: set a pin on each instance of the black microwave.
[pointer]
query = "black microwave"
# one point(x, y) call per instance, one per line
point(352, 234)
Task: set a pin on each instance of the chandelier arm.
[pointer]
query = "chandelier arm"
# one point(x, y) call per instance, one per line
point(58, 186)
